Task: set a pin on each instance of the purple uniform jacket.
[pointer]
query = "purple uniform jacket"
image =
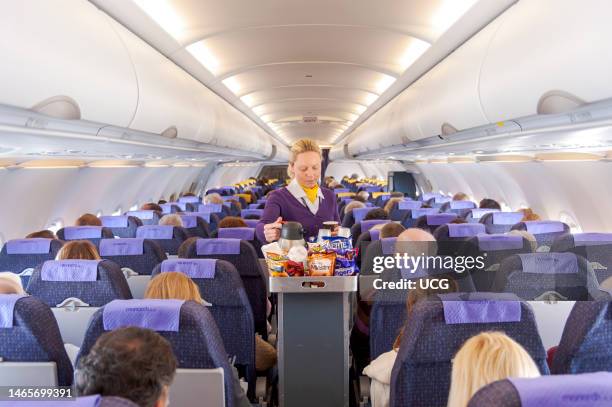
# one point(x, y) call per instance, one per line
point(282, 203)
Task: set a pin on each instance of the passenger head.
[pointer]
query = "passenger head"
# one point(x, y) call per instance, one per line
point(152, 207)
point(460, 196)
point(10, 283)
point(189, 194)
point(488, 203)
point(232, 222)
point(183, 250)
point(376, 213)
point(173, 286)
point(88, 220)
point(390, 203)
point(533, 243)
point(397, 194)
point(416, 242)
point(234, 201)
point(354, 176)
point(352, 205)
point(134, 363)
point(362, 196)
point(529, 215)
point(78, 250)
point(305, 162)
point(213, 198)
point(162, 201)
point(171, 220)
point(44, 234)
point(458, 220)
point(391, 229)
point(483, 359)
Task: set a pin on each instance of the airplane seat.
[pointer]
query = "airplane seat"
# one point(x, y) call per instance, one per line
point(195, 225)
point(376, 249)
point(411, 217)
point(31, 346)
point(460, 208)
point(546, 391)
point(347, 219)
point(585, 342)
point(364, 226)
point(221, 286)
point(95, 282)
point(243, 256)
point(500, 222)
point(193, 200)
point(188, 326)
point(234, 209)
point(122, 226)
point(251, 212)
point(256, 206)
point(92, 233)
point(540, 276)
point(147, 217)
point(595, 247)
point(400, 210)
point(545, 231)
point(247, 234)
point(342, 204)
point(382, 199)
point(439, 201)
point(494, 249)
point(168, 237)
point(474, 215)
point(431, 222)
point(19, 255)
point(437, 329)
point(362, 243)
point(251, 223)
point(452, 238)
point(171, 207)
point(355, 216)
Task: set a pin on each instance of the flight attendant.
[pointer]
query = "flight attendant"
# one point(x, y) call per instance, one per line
point(303, 200)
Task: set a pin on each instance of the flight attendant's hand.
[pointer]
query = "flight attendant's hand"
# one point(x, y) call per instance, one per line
point(272, 230)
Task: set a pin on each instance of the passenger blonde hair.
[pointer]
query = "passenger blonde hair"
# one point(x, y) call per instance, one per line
point(460, 196)
point(304, 145)
point(390, 203)
point(352, 205)
point(213, 198)
point(78, 250)
point(483, 359)
point(529, 215)
point(173, 286)
point(171, 220)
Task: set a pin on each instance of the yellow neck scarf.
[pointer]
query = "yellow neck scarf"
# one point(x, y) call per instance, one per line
point(311, 193)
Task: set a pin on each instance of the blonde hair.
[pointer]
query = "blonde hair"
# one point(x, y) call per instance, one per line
point(529, 214)
point(213, 198)
point(171, 220)
point(460, 196)
point(352, 205)
point(390, 203)
point(483, 359)
point(173, 286)
point(10, 283)
point(304, 145)
point(78, 250)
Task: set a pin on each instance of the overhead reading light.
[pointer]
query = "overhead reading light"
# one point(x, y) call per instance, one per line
point(204, 56)
point(163, 14)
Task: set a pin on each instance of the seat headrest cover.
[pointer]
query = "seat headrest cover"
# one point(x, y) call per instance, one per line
point(121, 247)
point(507, 218)
point(7, 309)
point(547, 226)
point(409, 205)
point(210, 208)
point(462, 205)
point(340, 190)
point(114, 221)
point(251, 222)
point(158, 315)
point(189, 199)
point(69, 270)
point(205, 247)
point(586, 389)
point(204, 215)
point(28, 246)
point(155, 232)
point(428, 195)
point(193, 268)
point(417, 213)
point(465, 229)
point(82, 232)
point(360, 213)
point(166, 208)
point(374, 234)
point(88, 401)
point(549, 263)
point(592, 239)
point(237, 233)
point(442, 199)
point(253, 206)
point(247, 212)
point(499, 242)
point(181, 205)
point(440, 219)
point(480, 312)
point(366, 225)
point(388, 245)
point(261, 200)
point(478, 213)
point(142, 214)
point(189, 221)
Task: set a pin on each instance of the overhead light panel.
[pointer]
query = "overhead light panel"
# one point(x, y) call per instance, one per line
point(248, 100)
point(413, 52)
point(448, 12)
point(370, 98)
point(232, 84)
point(384, 83)
point(164, 15)
point(360, 108)
point(200, 51)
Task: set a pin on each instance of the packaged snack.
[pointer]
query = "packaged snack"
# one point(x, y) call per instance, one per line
point(345, 264)
point(298, 256)
point(321, 263)
point(276, 260)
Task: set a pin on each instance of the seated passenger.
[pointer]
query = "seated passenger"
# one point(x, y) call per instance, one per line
point(376, 213)
point(397, 194)
point(78, 250)
point(391, 229)
point(460, 196)
point(44, 234)
point(529, 215)
point(213, 198)
point(188, 194)
point(485, 358)
point(379, 370)
point(10, 283)
point(88, 220)
point(415, 235)
point(162, 201)
point(171, 220)
point(533, 243)
point(458, 221)
point(152, 207)
point(134, 363)
point(390, 203)
point(488, 203)
point(232, 222)
point(362, 196)
point(171, 285)
point(231, 201)
point(352, 205)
